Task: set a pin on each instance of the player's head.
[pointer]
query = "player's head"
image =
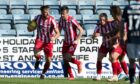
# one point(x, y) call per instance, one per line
point(45, 11)
point(64, 12)
point(116, 12)
point(103, 18)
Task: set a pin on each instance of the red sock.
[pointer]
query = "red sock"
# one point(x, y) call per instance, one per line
point(99, 67)
point(70, 72)
point(119, 68)
point(75, 61)
point(124, 66)
point(46, 67)
point(67, 65)
point(114, 68)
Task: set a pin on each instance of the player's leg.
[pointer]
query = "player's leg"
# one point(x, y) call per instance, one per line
point(67, 66)
point(139, 71)
point(138, 58)
point(101, 54)
point(48, 50)
point(132, 68)
point(75, 61)
point(67, 59)
point(46, 67)
point(122, 60)
point(37, 49)
point(131, 53)
point(99, 65)
point(124, 67)
point(70, 53)
point(115, 64)
point(119, 68)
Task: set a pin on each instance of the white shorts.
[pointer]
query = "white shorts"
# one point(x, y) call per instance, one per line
point(133, 51)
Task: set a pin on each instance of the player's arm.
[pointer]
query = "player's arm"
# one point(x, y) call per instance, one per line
point(125, 17)
point(125, 32)
point(80, 29)
point(57, 34)
point(96, 33)
point(113, 37)
point(59, 27)
point(56, 30)
point(118, 34)
point(80, 34)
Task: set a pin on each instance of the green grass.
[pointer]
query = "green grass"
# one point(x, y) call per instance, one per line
point(56, 81)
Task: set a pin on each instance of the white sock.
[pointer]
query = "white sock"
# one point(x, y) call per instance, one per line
point(99, 75)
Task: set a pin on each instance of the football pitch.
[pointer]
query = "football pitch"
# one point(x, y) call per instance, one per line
point(56, 81)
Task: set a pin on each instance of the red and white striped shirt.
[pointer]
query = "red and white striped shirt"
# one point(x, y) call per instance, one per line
point(102, 30)
point(70, 28)
point(45, 28)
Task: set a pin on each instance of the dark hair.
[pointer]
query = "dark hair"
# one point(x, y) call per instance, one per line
point(116, 10)
point(64, 8)
point(44, 7)
point(103, 15)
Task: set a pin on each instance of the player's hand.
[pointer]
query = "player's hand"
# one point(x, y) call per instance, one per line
point(116, 45)
point(52, 38)
point(75, 42)
point(93, 37)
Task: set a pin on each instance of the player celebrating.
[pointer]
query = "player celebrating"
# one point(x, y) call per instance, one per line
point(131, 16)
point(46, 24)
point(102, 29)
point(71, 38)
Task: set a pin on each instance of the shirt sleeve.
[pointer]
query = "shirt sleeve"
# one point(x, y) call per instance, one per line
point(125, 14)
point(97, 29)
point(125, 27)
point(75, 22)
point(36, 17)
point(60, 25)
point(54, 23)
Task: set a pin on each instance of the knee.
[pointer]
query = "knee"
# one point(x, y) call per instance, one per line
point(115, 56)
point(113, 59)
point(67, 57)
point(100, 57)
point(48, 60)
point(110, 59)
point(36, 53)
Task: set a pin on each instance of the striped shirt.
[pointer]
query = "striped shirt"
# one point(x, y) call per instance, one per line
point(103, 30)
point(70, 28)
point(45, 28)
point(119, 27)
